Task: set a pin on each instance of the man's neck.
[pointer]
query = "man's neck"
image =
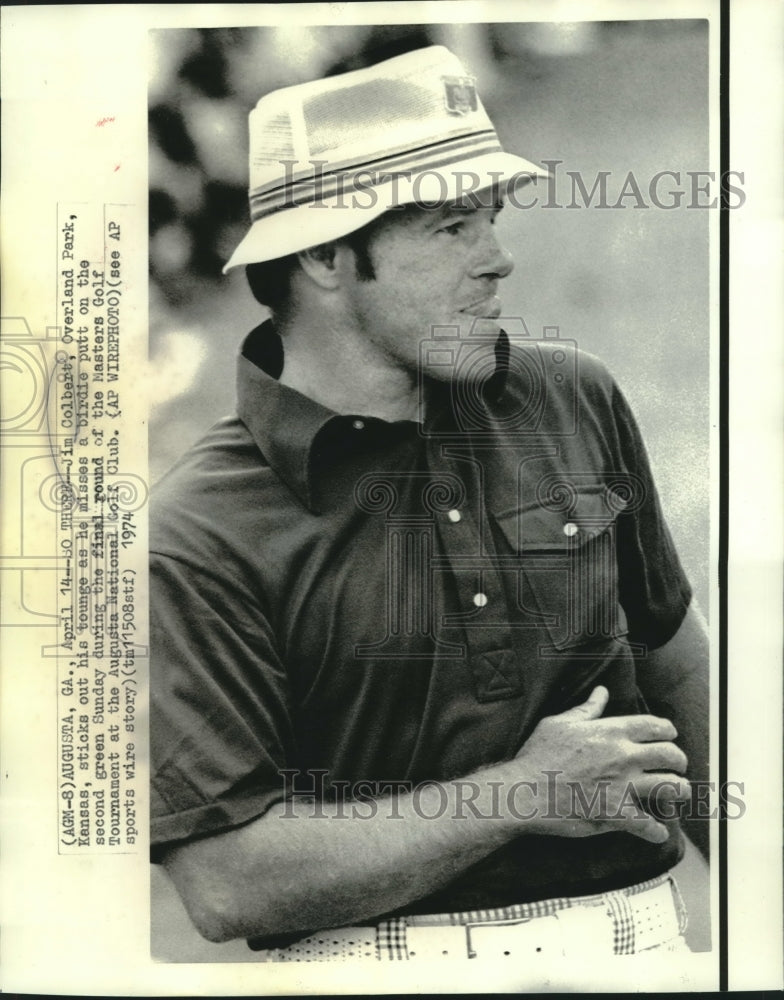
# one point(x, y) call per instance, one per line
point(345, 372)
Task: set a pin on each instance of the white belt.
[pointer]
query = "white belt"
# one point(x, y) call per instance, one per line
point(621, 922)
point(592, 930)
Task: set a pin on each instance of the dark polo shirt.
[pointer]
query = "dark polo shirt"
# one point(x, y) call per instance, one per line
point(390, 602)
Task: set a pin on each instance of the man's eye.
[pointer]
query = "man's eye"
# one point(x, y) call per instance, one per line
point(451, 230)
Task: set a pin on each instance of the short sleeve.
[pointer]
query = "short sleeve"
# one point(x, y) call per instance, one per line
point(653, 588)
point(220, 729)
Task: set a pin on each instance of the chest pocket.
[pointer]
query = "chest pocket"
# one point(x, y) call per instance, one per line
point(567, 576)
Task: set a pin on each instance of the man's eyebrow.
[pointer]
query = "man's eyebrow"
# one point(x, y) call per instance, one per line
point(461, 208)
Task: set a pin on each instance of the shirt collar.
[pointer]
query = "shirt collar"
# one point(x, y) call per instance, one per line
point(285, 423)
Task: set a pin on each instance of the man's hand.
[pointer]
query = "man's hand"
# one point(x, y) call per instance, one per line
point(588, 775)
point(289, 870)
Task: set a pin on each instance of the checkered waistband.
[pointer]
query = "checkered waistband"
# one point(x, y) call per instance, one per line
point(637, 924)
point(391, 935)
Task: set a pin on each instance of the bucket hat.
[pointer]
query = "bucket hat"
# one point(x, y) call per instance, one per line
point(329, 156)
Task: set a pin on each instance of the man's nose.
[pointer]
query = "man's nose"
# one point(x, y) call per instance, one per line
point(493, 259)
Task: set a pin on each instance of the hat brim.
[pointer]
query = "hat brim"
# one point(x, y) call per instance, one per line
point(298, 227)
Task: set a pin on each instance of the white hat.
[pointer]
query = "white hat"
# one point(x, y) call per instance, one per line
point(329, 156)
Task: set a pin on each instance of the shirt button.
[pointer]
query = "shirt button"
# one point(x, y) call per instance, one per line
point(358, 425)
point(454, 516)
point(480, 600)
point(570, 529)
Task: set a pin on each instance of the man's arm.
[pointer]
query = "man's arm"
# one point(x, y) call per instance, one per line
point(293, 870)
point(674, 683)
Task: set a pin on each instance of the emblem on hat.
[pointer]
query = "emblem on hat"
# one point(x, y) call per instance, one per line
point(460, 94)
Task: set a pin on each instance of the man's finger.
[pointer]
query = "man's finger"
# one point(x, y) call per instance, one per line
point(661, 756)
point(648, 829)
point(646, 728)
point(658, 796)
point(591, 708)
point(662, 788)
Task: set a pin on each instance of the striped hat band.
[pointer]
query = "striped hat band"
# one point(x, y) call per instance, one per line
point(348, 177)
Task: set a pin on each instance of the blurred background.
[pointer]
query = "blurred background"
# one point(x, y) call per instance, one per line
point(629, 284)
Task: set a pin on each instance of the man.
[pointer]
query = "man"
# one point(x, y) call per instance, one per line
point(424, 655)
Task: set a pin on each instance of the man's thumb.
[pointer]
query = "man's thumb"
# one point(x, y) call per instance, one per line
point(592, 707)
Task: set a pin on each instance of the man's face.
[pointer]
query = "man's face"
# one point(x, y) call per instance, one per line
point(436, 278)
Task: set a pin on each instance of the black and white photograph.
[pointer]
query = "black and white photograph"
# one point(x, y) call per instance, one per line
point(429, 650)
point(390, 577)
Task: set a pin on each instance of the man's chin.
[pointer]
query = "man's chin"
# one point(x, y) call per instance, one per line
point(467, 359)
point(484, 327)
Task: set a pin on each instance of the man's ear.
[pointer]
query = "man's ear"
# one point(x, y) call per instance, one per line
point(321, 265)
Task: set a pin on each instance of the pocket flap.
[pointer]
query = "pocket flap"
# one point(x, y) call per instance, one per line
point(539, 528)
point(568, 567)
